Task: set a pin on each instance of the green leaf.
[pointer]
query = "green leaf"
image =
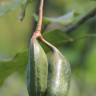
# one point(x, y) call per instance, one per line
point(13, 85)
point(65, 19)
point(80, 7)
point(57, 37)
point(16, 64)
point(6, 6)
point(74, 10)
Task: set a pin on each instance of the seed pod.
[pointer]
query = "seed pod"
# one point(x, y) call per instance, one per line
point(37, 70)
point(58, 75)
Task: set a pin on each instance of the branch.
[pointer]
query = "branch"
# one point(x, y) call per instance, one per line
point(37, 32)
point(33, 23)
point(84, 37)
point(81, 21)
point(72, 40)
point(39, 25)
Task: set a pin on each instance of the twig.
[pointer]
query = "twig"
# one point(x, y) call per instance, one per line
point(39, 25)
point(37, 32)
point(72, 27)
point(80, 38)
point(84, 37)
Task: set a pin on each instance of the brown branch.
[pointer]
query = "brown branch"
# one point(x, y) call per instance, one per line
point(39, 24)
point(84, 37)
point(37, 32)
point(72, 27)
point(72, 40)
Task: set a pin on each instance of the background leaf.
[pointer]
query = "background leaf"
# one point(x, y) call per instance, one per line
point(6, 6)
point(66, 19)
point(57, 37)
point(17, 64)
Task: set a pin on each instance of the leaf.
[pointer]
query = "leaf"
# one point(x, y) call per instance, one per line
point(17, 64)
point(79, 6)
point(37, 70)
point(64, 20)
point(73, 10)
point(8, 86)
point(60, 37)
point(6, 6)
point(57, 37)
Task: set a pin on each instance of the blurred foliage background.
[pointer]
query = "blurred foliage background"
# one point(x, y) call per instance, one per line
point(58, 15)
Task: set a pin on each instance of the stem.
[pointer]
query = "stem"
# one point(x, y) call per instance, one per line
point(37, 32)
point(39, 25)
point(47, 43)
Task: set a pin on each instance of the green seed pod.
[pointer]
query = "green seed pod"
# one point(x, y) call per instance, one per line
point(58, 75)
point(37, 70)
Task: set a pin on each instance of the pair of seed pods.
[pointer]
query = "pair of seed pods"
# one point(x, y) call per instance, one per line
point(47, 75)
